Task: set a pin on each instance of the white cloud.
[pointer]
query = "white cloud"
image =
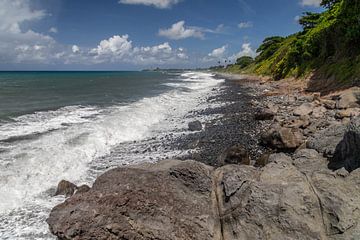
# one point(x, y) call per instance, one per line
point(246, 50)
point(75, 49)
point(243, 25)
point(155, 3)
point(116, 45)
point(53, 30)
point(18, 44)
point(311, 3)
point(179, 31)
point(120, 49)
point(218, 52)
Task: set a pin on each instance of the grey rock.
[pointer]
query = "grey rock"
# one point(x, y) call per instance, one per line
point(350, 98)
point(282, 138)
point(195, 126)
point(304, 109)
point(169, 200)
point(289, 198)
point(65, 188)
point(347, 152)
point(326, 140)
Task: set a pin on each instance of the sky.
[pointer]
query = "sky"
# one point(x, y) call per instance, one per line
point(139, 34)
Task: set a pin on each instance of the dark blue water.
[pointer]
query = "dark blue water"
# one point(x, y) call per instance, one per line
point(27, 92)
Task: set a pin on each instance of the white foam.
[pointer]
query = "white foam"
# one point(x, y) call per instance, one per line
point(31, 167)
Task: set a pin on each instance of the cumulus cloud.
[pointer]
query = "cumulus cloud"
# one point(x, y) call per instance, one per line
point(246, 50)
point(75, 49)
point(245, 25)
point(179, 31)
point(155, 3)
point(53, 30)
point(218, 52)
point(17, 44)
point(311, 3)
point(120, 49)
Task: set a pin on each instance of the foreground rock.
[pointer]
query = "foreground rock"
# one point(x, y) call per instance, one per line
point(289, 198)
point(170, 200)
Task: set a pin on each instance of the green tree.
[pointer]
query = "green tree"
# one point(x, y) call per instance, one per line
point(244, 61)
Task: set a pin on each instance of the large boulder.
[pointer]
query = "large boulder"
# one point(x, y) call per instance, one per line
point(326, 140)
point(65, 188)
point(169, 200)
point(347, 152)
point(195, 126)
point(290, 198)
point(350, 98)
point(236, 154)
point(275, 203)
point(304, 109)
point(282, 138)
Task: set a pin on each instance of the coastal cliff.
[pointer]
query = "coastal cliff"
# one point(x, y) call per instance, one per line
point(305, 184)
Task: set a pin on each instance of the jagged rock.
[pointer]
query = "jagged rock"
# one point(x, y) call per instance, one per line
point(326, 140)
point(264, 114)
point(304, 109)
point(236, 154)
point(82, 189)
point(275, 203)
point(347, 152)
point(349, 98)
point(195, 126)
point(329, 104)
point(289, 198)
point(169, 200)
point(282, 138)
point(65, 188)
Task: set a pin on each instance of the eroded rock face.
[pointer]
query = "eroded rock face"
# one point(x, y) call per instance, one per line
point(289, 198)
point(304, 109)
point(170, 200)
point(265, 114)
point(347, 152)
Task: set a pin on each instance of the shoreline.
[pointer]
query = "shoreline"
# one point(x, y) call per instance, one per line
point(301, 182)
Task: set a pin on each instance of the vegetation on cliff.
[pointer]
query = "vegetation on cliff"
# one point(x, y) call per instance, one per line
point(329, 44)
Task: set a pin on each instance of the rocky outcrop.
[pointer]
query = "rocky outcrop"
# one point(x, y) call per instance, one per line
point(289, 198)
point(169, 200)
point(195, 126)
point(350, 98)
point(347, 152)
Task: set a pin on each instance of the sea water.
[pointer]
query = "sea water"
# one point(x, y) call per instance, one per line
point(77, 125)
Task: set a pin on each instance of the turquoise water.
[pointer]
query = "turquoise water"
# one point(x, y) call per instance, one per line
point(27, 92)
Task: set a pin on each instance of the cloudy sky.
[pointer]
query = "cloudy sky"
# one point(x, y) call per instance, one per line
point(137, 34)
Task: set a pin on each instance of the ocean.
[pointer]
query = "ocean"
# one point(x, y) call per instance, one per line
point(77, 125)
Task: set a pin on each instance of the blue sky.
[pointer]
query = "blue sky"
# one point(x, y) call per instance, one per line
point(137, 34)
